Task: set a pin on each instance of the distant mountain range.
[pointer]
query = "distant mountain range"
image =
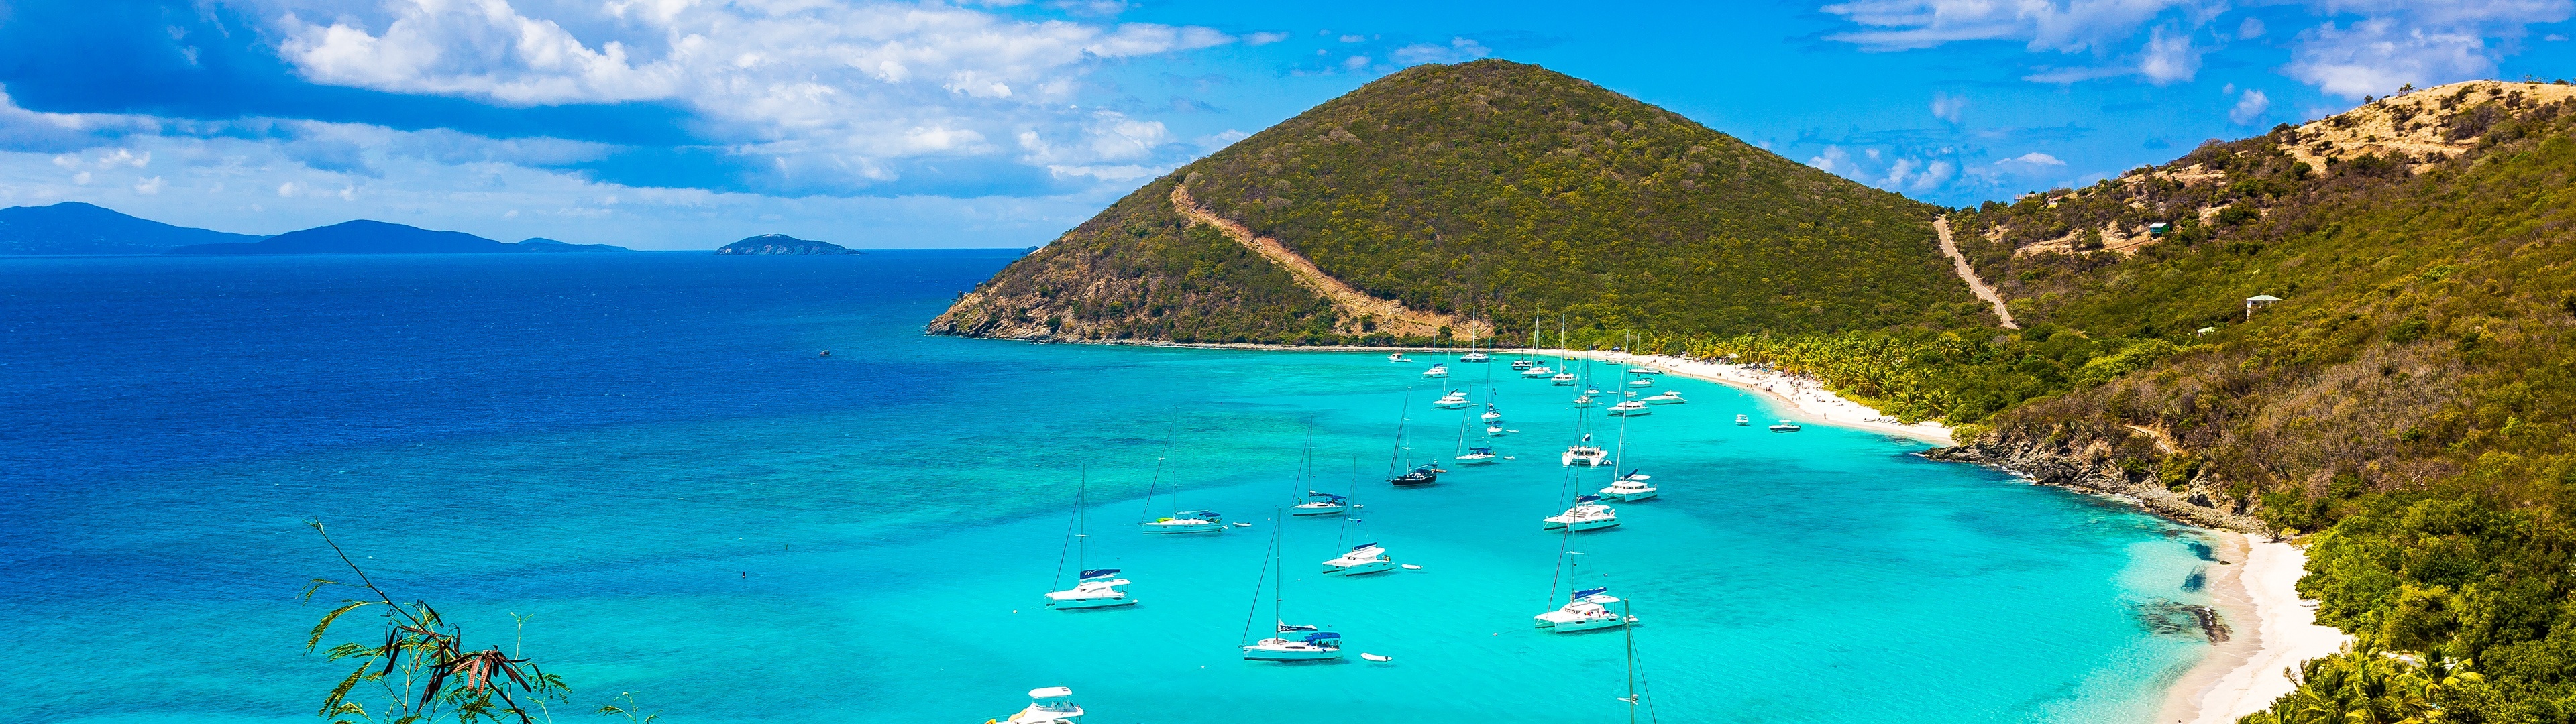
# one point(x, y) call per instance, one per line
point(72, 227)
point(377, 237)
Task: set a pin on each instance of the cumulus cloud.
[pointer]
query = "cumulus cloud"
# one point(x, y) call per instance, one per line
point(1892, 171)
point(2358, 47)
point(2250, 107)
point(833, 96)
point(1457, 50)
point(1948, 107)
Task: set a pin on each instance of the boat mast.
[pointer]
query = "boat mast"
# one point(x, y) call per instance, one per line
point(1396, 456)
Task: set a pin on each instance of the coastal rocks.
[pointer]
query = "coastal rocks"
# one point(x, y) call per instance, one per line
point(2171, 618)
point(2092, 471)
point(782, 245)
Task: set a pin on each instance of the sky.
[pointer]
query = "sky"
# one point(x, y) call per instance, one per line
point(687, 124)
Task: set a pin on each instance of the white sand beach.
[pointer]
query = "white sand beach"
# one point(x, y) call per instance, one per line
point(2274, 631)
point(1807, 398)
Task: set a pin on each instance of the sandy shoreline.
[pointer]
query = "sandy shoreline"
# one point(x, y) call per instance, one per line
point(2274, 631)
point(2255, 592)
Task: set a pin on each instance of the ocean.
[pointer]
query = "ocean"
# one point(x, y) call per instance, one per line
point(639, 471)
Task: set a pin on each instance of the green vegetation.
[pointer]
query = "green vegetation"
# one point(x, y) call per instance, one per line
point(1499, 189)
point(421, 670)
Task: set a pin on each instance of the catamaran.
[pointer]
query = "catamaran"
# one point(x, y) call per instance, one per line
point(1786, 426)
point(1589, 609)
point(1642, 382)
point(1522, 364)
point(1437, 370)
point(1491, 415)
point(1362, 559)
point(1561, 379)
point(1051, 705)
point(1586, 455)
point(1309, 644)
point(1455, 400)
point(1629, 488)
point(1668, 397)
point(1538, 372)
point(1587, 514)
point(1396, 357)
point(1092, 588)
point(1630, 408)
point(1584, 400)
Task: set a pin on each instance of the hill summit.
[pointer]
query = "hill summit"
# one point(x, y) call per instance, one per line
point(782, 245)
point(1473, 198)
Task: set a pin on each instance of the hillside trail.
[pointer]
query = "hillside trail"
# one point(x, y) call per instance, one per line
point(1392, 317)
point(1959, 263)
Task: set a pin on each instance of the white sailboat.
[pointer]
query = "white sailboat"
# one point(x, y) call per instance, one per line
point(1589, 609)
point(1539, 371)
point(1437, 370)
point(1360, 560)
point(1287, 641)
point(1630, 408)
point(1491, 415)
point(1561, 379)
point(1092, 588)
point(1397, 357)
point(1455, 400)
point(1631, 487)
point(1180, 521)
point(1669, 397)
point(1642, 382)
point(1321, 504)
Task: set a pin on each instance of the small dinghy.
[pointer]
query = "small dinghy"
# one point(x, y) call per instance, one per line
point(1380, 658)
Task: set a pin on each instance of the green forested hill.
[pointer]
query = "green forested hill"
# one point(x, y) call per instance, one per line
point(1498, 189)
point(2409, 405)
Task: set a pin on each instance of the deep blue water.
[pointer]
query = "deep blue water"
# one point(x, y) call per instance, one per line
point(644, 454)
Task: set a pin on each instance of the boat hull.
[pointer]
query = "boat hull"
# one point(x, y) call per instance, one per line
point(1167, 529)
point(1585, 625)
point(1082, 603)
point(1577, 525)
point(1607, 494)
point(1263, 653)
point(1487, 460)
point(1334, 510)
point(1359, 570)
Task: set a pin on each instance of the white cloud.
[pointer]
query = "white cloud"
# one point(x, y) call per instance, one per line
point(1458, 50)
point(2250, 108)
point(843, 94)
point(1263, 38)
point(2034, 159)
point(2360, 47)
point(1948, 107)
point(2379, 55)
point(149, 186)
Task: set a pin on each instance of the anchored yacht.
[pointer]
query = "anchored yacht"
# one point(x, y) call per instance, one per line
point(1590, 609)
point(1097, 589)
point(1187, 521)
point(1587, 514)
point(1051, 705)
point(1628, 408)
point(1455, 400)
point(1478, 456)
point(1321, 504)
point(1590, 456)
point(1629, 488)
point(1363, 559)
point(1669, 397)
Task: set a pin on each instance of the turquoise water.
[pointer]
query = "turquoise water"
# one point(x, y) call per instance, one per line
point(645, 458)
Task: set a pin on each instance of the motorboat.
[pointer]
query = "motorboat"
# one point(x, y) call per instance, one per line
point(1522, 364)
point(1396, 357)
point(1562, 379)
point(1474, 357)
point(1629, 488)
point(1497, 431)
point(1051, 705)
point(1537, 372)
point(1590, 456)
point(1642, 382)
point(1629, 408)
point(1437, 370)
point(1424, 474)
point(1314, 646)
point(1456, 399)
point(1097, 589)
point(1491, 415)
point(1187, 521)
point(1589, 609)
point(1786, 426)
point(1669, 397)
point(1363, 559)
point(1478, 456)
point(1744, 420)
point(1644, 371)
point(1321, 504)
point(1584, 401)
point(1587, 514)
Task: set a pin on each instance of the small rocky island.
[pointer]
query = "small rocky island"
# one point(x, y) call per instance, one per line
point(783, 245)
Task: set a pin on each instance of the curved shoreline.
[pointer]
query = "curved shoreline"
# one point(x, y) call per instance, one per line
point(2256, 590)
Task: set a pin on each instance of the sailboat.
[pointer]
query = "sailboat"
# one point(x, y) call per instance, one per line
point(1321, 504)
point(1587, 514)
point(1588, 609)
point(1524, 362)
point(1631, 487)
point(1363, 559)
point(1180, 521)
point(1423, 474)
point(1092, 588)
point(1638, 690)
point(1473, 355)
point(1309, 643)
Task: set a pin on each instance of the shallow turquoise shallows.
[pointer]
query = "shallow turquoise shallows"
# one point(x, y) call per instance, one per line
point(647, 458)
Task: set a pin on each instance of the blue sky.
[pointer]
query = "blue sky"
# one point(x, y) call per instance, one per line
point(686, 124)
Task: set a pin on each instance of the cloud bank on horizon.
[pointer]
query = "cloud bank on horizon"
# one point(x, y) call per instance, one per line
point(688, 123)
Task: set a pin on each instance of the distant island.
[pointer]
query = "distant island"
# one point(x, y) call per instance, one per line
point(72, 227)
point(378, 237)
point(782, 245)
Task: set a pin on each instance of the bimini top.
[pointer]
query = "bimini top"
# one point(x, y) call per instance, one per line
point(1099, 573)
point(1313, 494)
point(1195, 514)
point(1587, 499)
point(1363, 546)
point(1052, 692)
point(1321, 636)
point(1590, 592)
